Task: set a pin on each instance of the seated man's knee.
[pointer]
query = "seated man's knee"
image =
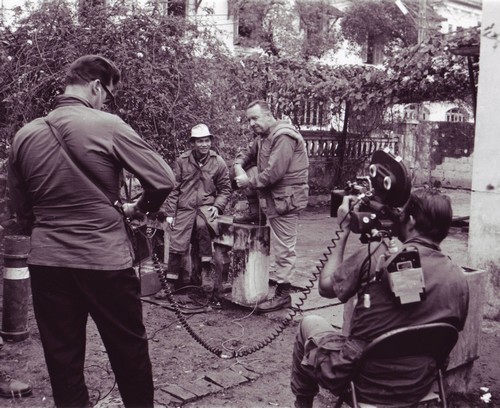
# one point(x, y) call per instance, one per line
point(311, 325)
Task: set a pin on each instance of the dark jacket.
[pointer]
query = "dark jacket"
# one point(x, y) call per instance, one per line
point(74, 225)
point(283, 169)
point(196, 186)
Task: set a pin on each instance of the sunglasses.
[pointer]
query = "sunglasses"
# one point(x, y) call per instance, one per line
point(109, 95)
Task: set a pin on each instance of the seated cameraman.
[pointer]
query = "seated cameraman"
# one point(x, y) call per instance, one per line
point(324, 357)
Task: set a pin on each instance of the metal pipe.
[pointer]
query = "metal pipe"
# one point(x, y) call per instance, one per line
point(16, 287)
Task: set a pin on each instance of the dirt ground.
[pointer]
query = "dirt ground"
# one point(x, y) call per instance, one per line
point(260, 379)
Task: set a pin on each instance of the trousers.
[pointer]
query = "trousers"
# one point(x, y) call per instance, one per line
point(63, 298)
point(283, 241)
point(199, 235)
point(322, 357)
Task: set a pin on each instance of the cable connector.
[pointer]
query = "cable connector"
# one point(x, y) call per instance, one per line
point(228, 356)
point(392, 248)
point(366, 301)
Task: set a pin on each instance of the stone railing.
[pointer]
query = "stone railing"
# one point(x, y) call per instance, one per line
point(326, 145)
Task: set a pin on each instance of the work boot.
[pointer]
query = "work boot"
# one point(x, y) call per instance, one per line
point(280, 300)
point(207, 277)
point(254, 215)
point(10, 388)
point(161, 295)
point(174, 267)
point(304, 401)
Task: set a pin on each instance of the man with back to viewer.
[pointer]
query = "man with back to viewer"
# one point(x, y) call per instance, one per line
point(80, 259)
point(281, 179)
point(323, 357)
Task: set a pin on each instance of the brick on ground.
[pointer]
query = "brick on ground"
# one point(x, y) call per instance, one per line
point(226, 379)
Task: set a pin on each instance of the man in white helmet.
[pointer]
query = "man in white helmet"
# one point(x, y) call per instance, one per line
point(201, 193)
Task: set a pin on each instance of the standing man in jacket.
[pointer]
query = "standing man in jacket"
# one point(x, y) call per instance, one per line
point(200, 195)
point(281, 180)
point(80, 261)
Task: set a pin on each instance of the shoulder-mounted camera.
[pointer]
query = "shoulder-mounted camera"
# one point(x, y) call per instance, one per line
point(382, 193)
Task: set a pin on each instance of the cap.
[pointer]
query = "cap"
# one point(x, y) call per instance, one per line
point(200, 130)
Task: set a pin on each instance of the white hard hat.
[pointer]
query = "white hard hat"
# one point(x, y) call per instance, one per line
point(200, 130)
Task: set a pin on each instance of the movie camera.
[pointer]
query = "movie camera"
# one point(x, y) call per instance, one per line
point(382, 194)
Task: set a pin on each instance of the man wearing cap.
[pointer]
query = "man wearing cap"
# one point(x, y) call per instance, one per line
point(201, 193)
point(64, 179)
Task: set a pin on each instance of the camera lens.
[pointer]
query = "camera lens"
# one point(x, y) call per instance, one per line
point(372, 170)
point(387, 182)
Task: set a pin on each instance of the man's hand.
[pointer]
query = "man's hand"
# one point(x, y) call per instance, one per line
point(131, 210)
point(343, 211)
point(238, 169)
point(213, 213)
point(326, 277)
point(242, 181)
point(171, 222)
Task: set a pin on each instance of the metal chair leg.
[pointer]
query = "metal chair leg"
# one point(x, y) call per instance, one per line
point(353, 395)
point(442, 394)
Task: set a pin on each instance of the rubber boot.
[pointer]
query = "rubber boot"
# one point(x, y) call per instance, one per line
point(226, 284)
point(173, 274)
point(207, 277)
point(253, 216)
point(280, 300)
point(208, 282)
point(174, 267)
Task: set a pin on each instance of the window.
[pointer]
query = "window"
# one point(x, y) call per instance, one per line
point(312, 113)
point(456, 115)
point(415, 112)
point(372, 53)
point(410, 112)
point(176, 8)
point(87, 4)
point(424, 113)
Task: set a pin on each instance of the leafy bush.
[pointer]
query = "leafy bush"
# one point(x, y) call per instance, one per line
point(174, 74)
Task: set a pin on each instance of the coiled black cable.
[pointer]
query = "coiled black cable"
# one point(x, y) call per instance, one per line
point(277, 331)
point(182, 320)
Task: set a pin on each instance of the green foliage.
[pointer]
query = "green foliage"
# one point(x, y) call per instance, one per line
point(425, 72)
point(174, 75)
point(452, 139)
point(380, 21)
point(317, 18)
point(276, 27)
point(251, 14)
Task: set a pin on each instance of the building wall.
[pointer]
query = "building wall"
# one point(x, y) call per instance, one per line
point(484, 232)
point(215, 15)
point(459, 13)
point(453, 172)
point(437, 153)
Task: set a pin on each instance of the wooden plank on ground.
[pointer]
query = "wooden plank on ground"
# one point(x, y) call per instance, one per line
point(226, 379)
point(179, 392)
point(257, 367)
point(201, 387)
point(166, 399)
point(251, 375)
